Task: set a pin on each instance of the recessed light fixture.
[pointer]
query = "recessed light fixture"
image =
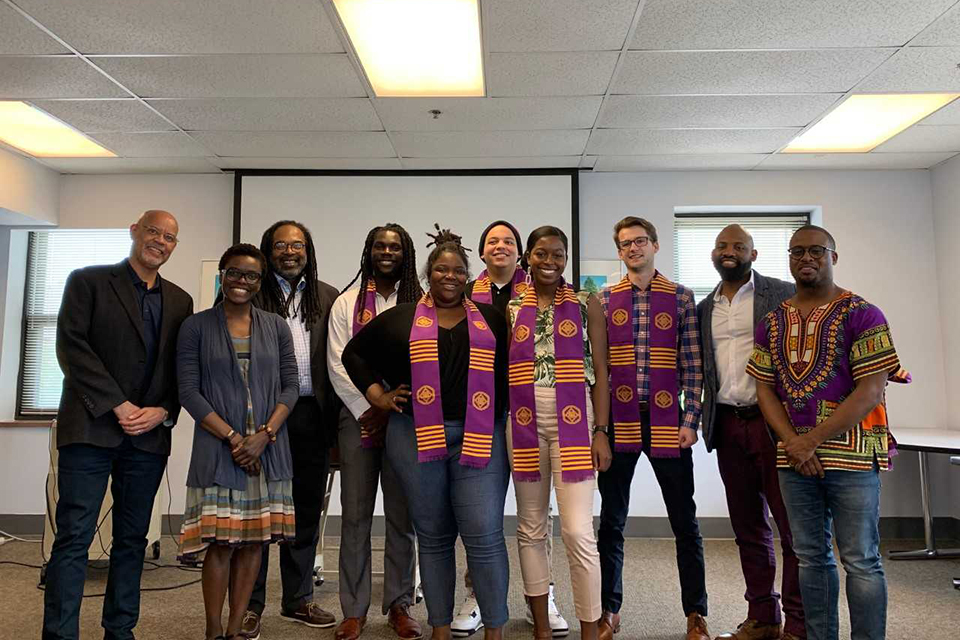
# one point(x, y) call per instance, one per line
point(43, 136)
point(861, 122)
point(417, 47)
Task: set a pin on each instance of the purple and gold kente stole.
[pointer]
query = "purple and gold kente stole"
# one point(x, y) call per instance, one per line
point(425, 375)
point(482, 287)
point(576, 463)
point(662, 348)
point(360, 320)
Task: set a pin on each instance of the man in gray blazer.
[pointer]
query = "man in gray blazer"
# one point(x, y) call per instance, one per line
point(734, 426)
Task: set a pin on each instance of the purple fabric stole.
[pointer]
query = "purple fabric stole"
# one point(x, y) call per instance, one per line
point(360, 320)
point(482, 287)
point(425, 376)
point(662, 347)
point(576, 462)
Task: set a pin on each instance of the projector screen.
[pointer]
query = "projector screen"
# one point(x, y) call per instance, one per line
point(340, 209)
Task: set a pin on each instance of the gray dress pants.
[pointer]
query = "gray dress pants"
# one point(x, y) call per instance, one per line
point(360, 471)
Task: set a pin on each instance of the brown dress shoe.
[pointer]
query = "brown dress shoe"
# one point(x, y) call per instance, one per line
point(400, 621)
point(609, 624)
point(312, 615)
point(250, 627)
point(753, 630)
point(350, 628)
point(697, 627)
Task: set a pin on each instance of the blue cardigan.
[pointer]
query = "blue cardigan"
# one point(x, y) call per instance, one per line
point(210, 380)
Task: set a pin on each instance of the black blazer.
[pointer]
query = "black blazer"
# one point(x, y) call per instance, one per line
point(767, 296)
point(101, 351)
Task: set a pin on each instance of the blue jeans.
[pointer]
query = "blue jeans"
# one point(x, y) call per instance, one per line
point(446, 498)
point(850, 500)
point(83, 471)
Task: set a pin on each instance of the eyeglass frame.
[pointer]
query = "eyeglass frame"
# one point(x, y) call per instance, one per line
point(282, 246)
point(244, 275)
point(640, 242)
point(807, 250)
point(156, 232)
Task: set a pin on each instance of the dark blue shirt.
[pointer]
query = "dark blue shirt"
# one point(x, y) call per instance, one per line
point(151, 313)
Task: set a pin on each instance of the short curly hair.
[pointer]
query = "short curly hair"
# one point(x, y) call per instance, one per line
point(243, 249)
point(445, 241)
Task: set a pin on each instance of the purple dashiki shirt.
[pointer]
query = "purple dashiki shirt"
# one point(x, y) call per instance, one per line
point(814, 365)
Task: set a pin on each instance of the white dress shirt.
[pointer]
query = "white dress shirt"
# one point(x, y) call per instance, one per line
point(300, 333)
point(339, 334)
point(733, 334)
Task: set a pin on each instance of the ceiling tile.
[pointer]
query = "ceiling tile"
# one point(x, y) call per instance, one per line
point(268, 114)
point(19, 36)
point(782, 24)
point(131, 165)
point(488, 114)
point(306, 144)
point(151, 145)
point(543, 162)
point(745, 72)
point(729, 161)
point(945, 32)
point(188, 26)
point(713, 111)
point(556, 25)
point(950, 114)
point(59, 77)
point(923, 139)
point(917, 69)
point(630, 142)
point(492, 144)
point(275, 76)
point(94, 116)
point(334, 164)
point(578, 73)
point(852, 161)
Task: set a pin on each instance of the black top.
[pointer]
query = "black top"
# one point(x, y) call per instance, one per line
point(151, 313)
point(381, 353)
point(501, 296)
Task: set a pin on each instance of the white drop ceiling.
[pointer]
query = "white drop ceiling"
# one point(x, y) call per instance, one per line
point(608, 85)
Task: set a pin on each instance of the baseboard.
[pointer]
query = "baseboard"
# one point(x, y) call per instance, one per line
point(891, 527)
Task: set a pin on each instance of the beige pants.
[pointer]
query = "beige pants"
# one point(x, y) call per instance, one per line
point(575, 502)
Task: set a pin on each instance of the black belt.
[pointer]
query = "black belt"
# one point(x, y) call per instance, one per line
point(744, 412)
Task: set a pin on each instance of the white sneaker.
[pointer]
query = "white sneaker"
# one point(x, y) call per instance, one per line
point(558, 625)
point(468, 620)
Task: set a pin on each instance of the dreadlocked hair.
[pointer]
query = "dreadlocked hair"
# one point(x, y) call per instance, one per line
point(409, 289)
point(444, 241)
point(271, 297)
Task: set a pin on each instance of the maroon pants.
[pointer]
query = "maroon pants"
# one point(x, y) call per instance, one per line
point(747, 458)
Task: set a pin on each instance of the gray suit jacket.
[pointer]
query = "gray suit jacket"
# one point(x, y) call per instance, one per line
point(768, 294)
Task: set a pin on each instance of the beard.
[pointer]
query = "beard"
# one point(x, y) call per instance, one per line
point(733, 274)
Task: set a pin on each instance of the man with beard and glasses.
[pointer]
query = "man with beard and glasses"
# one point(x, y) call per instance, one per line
point(732, 423)
point(388, 275)
point(291, 289)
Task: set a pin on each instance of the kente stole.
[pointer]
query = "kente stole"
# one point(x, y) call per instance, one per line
point(361, 319)
point(425, 376)
point(576, 463)
point(482, 291)
point(662, 347)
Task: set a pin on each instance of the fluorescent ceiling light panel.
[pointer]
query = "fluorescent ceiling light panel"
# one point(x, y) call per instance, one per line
point(417, 47)
point(43, 136)
point(862, 122)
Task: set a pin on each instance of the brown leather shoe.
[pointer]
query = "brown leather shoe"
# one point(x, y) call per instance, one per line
point(753, 630)
point(312, 615)
point(350, 628)
point(250, 627)
point(609, 624)
point(697, 627)
point(400, 621)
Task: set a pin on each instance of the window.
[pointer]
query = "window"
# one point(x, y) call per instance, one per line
point(694, 235)
point(51, 256)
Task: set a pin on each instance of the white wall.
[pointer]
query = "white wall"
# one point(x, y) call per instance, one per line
point(28, 191)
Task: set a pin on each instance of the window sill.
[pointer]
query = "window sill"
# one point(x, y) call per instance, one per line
point(45, 424)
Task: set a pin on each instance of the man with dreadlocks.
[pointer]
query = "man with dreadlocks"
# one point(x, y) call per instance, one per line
point(291, 289)
point(387, 275)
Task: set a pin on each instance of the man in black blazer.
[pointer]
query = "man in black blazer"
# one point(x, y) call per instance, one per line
point(116, 344)
point(732, 423)
point(291, 289)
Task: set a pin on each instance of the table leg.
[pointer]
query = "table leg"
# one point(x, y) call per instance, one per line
point(930, 552)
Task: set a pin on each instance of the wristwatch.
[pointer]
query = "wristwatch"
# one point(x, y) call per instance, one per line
point(601, 428)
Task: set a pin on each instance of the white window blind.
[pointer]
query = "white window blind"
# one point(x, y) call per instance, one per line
point(695, 235)
point(51, 257)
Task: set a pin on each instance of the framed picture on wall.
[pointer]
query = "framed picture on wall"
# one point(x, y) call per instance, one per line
point(595, 274)
point(209, 283)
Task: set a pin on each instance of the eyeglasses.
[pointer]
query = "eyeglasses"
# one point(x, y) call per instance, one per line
point(816, 251)
point(153, 232)
point(282, 246)
point(640, 242)
point(236, 275)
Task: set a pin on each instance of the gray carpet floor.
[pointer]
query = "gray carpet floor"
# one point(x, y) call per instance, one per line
point(923, 603)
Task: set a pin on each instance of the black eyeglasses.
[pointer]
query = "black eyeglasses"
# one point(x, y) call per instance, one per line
point(282, 246)
point(816, 251)
point(640, 241)
point(236, 275)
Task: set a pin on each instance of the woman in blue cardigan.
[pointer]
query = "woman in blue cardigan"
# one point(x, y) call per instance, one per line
point(238, 379)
